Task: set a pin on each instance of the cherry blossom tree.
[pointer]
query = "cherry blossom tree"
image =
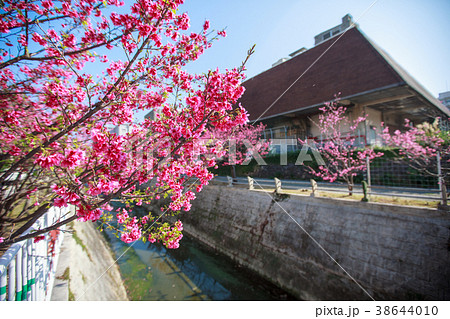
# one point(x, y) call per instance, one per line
point(69, 72)
point(343, 157)
point(240, 144)
point(421, 147)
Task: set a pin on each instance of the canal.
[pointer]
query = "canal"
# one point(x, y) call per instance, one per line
point(191, 272)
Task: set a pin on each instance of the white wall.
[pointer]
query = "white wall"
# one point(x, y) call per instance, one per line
point(373, 123)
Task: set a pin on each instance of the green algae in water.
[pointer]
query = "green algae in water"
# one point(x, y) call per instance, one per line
point(191, 272)
point(137, 278)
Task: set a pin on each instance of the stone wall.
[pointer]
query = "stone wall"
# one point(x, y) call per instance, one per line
point(393, 252)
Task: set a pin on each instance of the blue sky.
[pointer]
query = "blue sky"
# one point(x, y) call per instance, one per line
point(415, 33)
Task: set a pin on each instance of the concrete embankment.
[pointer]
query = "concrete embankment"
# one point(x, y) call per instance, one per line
point(86, 268)
point(388, 252)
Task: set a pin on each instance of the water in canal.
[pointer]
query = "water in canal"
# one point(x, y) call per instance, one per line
point(191, 272)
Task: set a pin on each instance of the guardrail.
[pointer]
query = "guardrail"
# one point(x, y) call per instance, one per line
point(27, 268)
point(262, 183)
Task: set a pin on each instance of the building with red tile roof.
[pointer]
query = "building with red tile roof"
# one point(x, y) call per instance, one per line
point(344, 61)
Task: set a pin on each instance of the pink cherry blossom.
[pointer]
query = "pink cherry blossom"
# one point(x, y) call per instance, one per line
point(419, 146)
point(38, 238)
point(343, 157)
point(65, 94)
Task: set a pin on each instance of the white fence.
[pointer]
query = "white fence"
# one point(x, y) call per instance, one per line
point(27, 269)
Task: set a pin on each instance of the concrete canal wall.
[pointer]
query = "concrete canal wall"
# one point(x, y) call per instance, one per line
point(86, 269)
point(393, 252)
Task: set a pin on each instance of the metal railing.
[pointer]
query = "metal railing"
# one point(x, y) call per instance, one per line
point(27, 268)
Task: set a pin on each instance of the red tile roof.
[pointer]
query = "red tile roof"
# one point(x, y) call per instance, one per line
point(350, 65)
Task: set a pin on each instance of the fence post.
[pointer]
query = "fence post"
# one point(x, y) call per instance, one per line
point(369, 183)
point(29, 272)
point(12, 280)
point(314, 187)
point(24, 271)
point(365, 191)
point(3, 276)
point(442, 187)
point(250, 183)
point(27, 269)
point(41, 248)
point(277, 185)
point(19, 275)
point(33, 272)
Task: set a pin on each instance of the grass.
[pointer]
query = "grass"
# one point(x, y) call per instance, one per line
point(136, 278)
point(65, 275)
point(71, 295)
point(10, 227)
point(14, 213)
point(357, 197)
point(84, 279)
point(383, 199)
point(138, 281)
point(80, 242)
point(406, 202)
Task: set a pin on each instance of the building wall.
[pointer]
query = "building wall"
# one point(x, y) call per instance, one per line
point(122, 129)
point(374, 120)
point(444, 97)
point(393, 252)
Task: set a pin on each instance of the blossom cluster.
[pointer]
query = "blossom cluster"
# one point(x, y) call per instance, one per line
point(168, 236)
point(420, 145)
point(338, 145)
point(414, 141)
point(58, 114)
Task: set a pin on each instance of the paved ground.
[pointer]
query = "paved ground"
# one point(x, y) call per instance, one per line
point(60, 290)
point(94, 275)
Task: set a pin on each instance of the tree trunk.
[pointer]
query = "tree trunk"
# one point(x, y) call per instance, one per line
point(350, 186)
point(233, 173)
point(444, 193)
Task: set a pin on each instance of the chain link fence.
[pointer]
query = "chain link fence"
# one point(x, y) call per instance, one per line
point(398, 173)
point(385, 176)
